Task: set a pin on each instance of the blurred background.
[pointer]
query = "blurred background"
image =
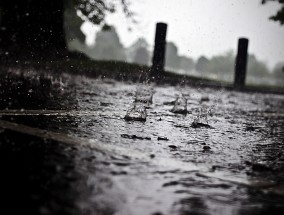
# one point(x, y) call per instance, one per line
point(89, 125)
point(201, 39)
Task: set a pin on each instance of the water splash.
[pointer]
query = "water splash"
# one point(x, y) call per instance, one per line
point(201, 119)
point(180, 105)
point(137, 112)
point(144, 94)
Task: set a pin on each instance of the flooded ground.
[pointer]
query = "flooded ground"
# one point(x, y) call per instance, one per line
point(66, 148)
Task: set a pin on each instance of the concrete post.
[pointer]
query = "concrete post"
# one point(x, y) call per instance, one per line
point(158, 61)
point(241, 63)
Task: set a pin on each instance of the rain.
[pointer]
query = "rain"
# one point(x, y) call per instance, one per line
point(138, 127)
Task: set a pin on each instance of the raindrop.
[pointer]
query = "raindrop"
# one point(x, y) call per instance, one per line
point(201, 119)
point(144, 94)
point(180, 105)
point(136, 113)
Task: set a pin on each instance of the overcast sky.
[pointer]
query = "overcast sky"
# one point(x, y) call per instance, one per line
point(205, 27)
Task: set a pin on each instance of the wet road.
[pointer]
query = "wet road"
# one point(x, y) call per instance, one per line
point(69, 149)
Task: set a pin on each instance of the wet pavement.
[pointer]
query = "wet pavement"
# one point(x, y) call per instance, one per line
point(66, 148)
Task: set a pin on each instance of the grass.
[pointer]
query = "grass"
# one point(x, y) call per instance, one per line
point(123, 71)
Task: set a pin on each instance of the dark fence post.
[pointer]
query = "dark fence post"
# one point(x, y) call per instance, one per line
point(241, 63)
point(158, 61)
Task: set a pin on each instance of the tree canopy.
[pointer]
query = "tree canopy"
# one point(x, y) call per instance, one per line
point(279, 16)
point(95, 11)
point(108, 46)
point(172, 58)
point(32, 29)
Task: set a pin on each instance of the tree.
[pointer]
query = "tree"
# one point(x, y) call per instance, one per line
point(278, 73)
point(36, 29)
point(132, 51)
point(222, 66)
point(202, 64)
point(172, 58)
point(96, 10)
point(72, 23)
point(279, 16)
point(142, 56)
point(108, 46)
point(256, 68)
point(186, 63)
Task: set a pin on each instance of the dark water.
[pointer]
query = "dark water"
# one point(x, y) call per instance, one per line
point(99, 163)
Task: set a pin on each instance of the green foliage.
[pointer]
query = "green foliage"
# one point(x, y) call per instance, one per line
point(279, 16)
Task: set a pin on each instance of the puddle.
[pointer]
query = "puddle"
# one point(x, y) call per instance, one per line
point(163, 164)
